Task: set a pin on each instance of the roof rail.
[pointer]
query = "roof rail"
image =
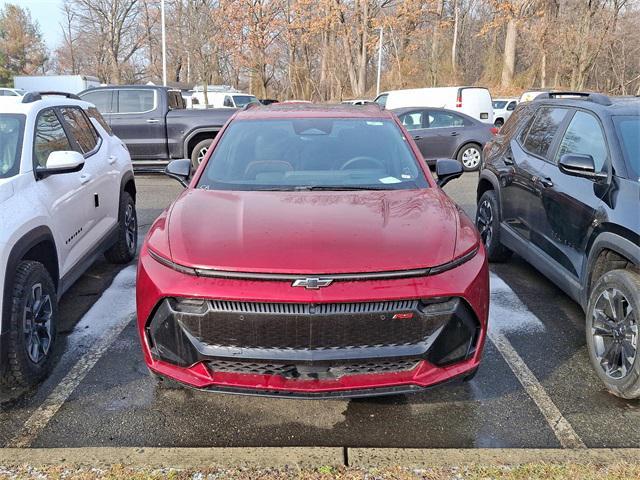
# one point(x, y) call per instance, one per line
point(251, 105)
point(598, 98)
point(31, 97)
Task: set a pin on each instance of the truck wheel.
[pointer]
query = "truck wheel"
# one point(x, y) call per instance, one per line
point(488, 224)
point(613, 332)
point(198, 153)
point(124, 249)
point(32, 326)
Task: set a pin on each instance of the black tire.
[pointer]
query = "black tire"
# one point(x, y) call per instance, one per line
point(31, 334)
point(124, 250)
point(470, 155)
point(198, 153)
point(488, 224)
point(616, 330)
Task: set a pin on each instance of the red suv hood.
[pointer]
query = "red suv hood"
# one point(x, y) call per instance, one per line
point(313, 232)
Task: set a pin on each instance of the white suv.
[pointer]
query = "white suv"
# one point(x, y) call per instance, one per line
point(67, 195)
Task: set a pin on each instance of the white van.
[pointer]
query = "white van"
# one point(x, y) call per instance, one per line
point(473, 101)
point(218, 97)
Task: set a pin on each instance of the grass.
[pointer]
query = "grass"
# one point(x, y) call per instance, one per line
point(521, 472)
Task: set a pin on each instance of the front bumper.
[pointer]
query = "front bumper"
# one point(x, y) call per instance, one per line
point(338, 341)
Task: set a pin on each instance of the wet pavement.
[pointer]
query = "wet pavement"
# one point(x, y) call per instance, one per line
point(100, 393)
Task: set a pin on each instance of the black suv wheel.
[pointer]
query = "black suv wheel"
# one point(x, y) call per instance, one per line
point(613, 323)
point(32, 326)
point(488, 224)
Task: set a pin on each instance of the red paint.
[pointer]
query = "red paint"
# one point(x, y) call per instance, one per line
point(313, 233)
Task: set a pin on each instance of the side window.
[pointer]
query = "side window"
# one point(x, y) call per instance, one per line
point(439, 119)
point(520, 115)
point(135, 101)
point(543, 130)
point(175, 100)
point(93, 113)
point(584, 136)
point(49, 137)
point(227, 101)
point(81, 129)
point(382, 100)
point(101, 99)
point(412, 120)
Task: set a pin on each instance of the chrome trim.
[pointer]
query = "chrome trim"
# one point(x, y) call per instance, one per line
point(338, 277)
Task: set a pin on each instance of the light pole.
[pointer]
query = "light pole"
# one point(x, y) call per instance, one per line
point(379, 63)
point(164, 45)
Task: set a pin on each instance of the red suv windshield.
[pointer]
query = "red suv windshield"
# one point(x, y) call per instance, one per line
point(312, 153)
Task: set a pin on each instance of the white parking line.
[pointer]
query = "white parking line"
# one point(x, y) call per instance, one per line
point(508, 313)
point(108, 317)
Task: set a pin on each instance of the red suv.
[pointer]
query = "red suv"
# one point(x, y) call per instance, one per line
point(312, 254)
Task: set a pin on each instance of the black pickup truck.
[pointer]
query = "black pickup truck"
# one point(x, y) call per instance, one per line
point(154, 123)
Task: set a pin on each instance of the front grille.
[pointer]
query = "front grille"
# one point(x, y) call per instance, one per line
point(290, 326)
point(291, 370)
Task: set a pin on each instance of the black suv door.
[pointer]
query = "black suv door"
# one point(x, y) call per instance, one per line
point(522, 207)
point(573, 205)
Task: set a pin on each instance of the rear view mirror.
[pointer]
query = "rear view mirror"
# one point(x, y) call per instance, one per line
point(580, 165)
point(179, 170)
point(447, 169)
point(61, 162)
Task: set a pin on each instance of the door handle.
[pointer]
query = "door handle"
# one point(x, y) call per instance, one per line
point(454, 134)
point(153, 120)
point(111, 159)
point(545, 182)
point(417, 137)
point(85, 177)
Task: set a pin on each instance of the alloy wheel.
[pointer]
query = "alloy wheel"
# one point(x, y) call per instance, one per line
point(485, 221)
point(37, 318)
point(471, 158)
point(201, 153)
point(615, 333)
point(130, 228)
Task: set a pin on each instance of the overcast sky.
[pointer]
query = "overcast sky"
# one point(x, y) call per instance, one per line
point(49, 16)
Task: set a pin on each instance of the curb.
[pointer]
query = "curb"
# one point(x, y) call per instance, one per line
point(309, 457)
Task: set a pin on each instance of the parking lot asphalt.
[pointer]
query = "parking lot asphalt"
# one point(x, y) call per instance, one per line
point(535, 387)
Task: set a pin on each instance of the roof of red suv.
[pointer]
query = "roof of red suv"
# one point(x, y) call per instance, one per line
point(307, 110)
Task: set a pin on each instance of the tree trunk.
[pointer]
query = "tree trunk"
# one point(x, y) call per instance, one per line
point(362, 64)
point(509, 60)
point(543, 70)
point(433, 67)
point(454, 44)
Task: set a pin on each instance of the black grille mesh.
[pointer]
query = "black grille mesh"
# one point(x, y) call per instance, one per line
point(305, 308)
point(336, 369)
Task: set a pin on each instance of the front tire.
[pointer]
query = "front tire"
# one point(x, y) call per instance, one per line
point(124, 250)
point(470, 155)
point(488, 224)
point(612, 329)
point(32, 326)
point(199, 152)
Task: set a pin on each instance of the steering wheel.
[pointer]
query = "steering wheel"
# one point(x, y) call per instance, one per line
point(363, 159)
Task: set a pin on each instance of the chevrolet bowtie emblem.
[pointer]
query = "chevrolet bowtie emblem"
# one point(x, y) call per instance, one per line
point(312, 283)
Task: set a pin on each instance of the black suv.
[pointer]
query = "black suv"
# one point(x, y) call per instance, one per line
point(560, 185)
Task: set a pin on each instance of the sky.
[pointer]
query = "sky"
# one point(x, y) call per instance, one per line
point(49, 15)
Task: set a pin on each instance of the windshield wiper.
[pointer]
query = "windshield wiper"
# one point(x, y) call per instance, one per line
point(336, 187)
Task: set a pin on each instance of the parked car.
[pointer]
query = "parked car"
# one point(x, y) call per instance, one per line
point(560, 186)
point(441, 133)
point(154, 124)
point(67, 195)
point(221, 97)
point(502, 109)
point(268, 101)
point(357, 101)
point(472, 101)
point(11, 92)
point(333, 265)
point(531, 95)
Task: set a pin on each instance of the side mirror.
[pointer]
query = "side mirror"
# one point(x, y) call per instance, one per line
point(580, 165)
point(179, 170)
point(447, 169)
point(61, 162)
